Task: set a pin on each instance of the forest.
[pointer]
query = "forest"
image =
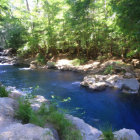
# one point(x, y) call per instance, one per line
point(69, 69)
point(86, 29)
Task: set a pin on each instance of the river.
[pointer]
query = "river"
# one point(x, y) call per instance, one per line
point(98, 108)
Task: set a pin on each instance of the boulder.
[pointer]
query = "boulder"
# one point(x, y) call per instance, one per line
point(8, 107)
point(34, 65)
point(51, 65)
point(137, 74)
point(136, 63)
point(129, 85)
point(19, 131)
point(9, 52)
point(88, 132)
point(126, 134)
point(23, 62)
point(100, 82)
point(128, 75)
point(14, 93)
point(38, 101)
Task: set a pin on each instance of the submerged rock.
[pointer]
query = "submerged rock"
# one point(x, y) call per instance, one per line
point(88, 132)
point(100, 82)
point(126, 134)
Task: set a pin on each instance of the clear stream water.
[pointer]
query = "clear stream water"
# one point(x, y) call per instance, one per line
point(99, 109)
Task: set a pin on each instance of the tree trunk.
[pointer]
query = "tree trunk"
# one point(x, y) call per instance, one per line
point(27, 5)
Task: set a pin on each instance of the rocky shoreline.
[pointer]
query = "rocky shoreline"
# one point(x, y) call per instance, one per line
point(13, 129)
point(98, 75)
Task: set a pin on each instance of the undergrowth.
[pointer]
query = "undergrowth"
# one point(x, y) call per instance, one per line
point(109, 70)
point(47, 114)
point(3, 92)
point(78, 62)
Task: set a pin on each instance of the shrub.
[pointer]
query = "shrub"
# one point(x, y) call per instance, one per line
point(41, 59)
point(101, 58)
point(3, 92)
point(24, 111)
point(109, 70)
point(77, 62)
point(107, 133)
point(65, 128)
point(44, 115)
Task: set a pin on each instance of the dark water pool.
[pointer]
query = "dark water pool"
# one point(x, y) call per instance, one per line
point(99, 109)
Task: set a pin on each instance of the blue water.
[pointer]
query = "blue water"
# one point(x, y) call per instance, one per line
point(99, 109)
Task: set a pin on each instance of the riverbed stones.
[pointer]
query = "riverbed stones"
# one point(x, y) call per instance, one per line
point(100, 82)
point(126, 134)
point(88, 132)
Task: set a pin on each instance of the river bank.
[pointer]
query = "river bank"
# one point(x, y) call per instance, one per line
point(112, 73)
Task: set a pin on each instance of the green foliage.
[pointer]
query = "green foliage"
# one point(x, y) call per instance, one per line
point(24, 111)
point(109, 70)
point(64, 127)
point(101, 58)
point(78, 62)
point(47, 114)
point(3, 92)
point(108, 134)
point(79, 28)
point(41, 59)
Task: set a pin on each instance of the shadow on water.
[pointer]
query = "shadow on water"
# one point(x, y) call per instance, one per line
point(96, 108)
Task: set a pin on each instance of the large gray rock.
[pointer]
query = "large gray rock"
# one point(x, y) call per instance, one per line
point(126, 134)
point(19, 131)
point(11, 129)
point(129, 85)
point(100, 82)
point(88, 132)
point(8, 107)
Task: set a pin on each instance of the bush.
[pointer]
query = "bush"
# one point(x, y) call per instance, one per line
point(41, 59)
point(77, 62)
point(107, 133)
point(44, 115)
point(109, 70)
point(24, 111)
point(3, 92)
point(65, 128)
